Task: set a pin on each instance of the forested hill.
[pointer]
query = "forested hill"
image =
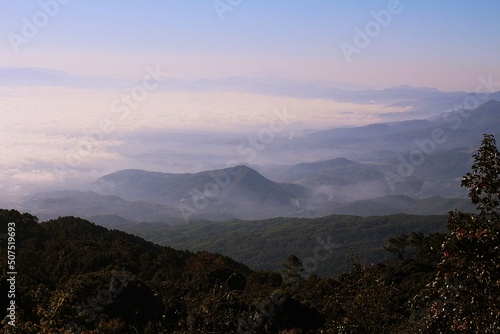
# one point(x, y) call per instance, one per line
point(76, 277)
point(74, 274)
point(264, 244)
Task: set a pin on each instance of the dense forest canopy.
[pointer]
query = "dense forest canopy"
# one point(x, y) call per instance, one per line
point(265, 244)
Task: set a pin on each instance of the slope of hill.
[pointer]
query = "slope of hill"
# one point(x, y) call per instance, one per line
point(343, 180)
point(264, 244)
point(74, 275)
point(401, 136)
point(426, 157)
point(234, 191)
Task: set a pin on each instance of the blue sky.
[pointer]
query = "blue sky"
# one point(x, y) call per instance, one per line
point(443, 44)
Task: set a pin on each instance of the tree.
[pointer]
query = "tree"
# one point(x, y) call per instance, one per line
point(293, 266)
point(465, 296)
point(397, 245)
point(484, 181)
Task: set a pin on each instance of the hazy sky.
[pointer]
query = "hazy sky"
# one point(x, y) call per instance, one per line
point(45, 131)
point(444, 44)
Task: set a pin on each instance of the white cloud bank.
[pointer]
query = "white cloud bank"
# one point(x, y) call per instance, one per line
point(50, 133)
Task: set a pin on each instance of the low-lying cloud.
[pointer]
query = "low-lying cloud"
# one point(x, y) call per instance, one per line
point(45, 127)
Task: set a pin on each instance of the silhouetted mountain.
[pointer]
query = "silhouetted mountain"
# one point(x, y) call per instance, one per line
point(467, 126)
point(485, 117)
point(237, 192)
point(336, 186)
point(342, 180)
point(419, 158)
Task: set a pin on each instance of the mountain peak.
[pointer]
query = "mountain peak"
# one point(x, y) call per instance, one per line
point(218, 192)
point(488, 113)
point(488, 105)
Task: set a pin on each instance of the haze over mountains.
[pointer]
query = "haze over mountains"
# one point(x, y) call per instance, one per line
point(414, 149)
point(412, 167)
point(417, 102)
point(65, 131)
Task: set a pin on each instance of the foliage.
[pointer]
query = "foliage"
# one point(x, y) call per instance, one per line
point(484, 181)
point(465, 295)
point(79, 276)
point(266, 244)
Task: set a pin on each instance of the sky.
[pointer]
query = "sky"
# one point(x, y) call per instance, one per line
point(443, 44)
point(84, 133)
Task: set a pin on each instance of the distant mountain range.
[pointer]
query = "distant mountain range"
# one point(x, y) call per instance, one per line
point(419, 101)
point(458, 129)
point(150, 196)
point(419, 158)
point(135, 195)
point(412, 167)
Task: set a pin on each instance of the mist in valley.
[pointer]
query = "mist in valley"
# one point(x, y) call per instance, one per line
point(333, 154)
